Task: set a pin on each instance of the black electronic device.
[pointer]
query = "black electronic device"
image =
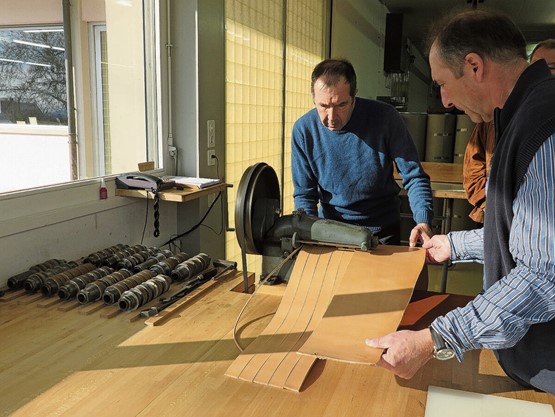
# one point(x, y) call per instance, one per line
point(148, 182)
point(261, 228)
point(142, 181)
point(395, 59)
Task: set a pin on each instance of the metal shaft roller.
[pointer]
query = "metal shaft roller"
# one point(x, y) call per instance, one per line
point(113, 293)
point(97, 258)
point(36, 280)
point(17, 281)
point(52, 284)
point(188, 269)
point(95, 290)
point(145, 292)
point(72, 288)
point(166, 266)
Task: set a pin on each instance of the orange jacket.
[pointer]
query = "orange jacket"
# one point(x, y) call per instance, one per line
point(477, 158)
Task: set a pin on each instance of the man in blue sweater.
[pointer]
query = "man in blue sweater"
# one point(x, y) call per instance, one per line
point(343, 155)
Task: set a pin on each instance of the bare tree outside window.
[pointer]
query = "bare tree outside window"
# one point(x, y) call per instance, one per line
point(33, 76)
point(107, 83)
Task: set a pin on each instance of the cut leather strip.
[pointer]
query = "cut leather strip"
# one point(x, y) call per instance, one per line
point(262, 344)
point(369, 302)
point(326, 274)
point(271, 358)
point(274, 343)
point(302, 366)
point(292, 329)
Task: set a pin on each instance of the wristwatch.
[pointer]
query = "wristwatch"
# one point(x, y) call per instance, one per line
point(442, 351)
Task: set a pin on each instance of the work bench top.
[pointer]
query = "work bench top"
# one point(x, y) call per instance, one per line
point(66, 363)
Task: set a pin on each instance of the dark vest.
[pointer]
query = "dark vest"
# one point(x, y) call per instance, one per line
point(522, 126)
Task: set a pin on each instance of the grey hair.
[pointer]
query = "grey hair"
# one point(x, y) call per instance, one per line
point(489, 34)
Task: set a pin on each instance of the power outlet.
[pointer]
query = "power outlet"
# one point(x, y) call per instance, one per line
point(211, 157)
point(211, 129)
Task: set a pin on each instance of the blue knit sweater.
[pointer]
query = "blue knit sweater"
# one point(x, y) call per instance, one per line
point(349, 173)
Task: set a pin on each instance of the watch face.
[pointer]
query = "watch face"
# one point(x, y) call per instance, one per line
point(444, 354)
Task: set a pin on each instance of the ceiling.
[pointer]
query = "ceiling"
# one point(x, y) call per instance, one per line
point(536, 18)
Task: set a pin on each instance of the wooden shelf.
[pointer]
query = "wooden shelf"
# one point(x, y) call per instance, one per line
point(173, 194)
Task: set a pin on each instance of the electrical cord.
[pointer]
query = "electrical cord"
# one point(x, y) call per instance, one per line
point(261, 282)
point(222, 211)
point(157, 217)
point(217, 166)
point(173, 246)
point(146, 220)
point(212, 229)
point(156, 212)
point(196, 226)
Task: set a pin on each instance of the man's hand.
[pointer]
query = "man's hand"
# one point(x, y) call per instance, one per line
point(438, 249)
point(405, 352)
point(420, 232)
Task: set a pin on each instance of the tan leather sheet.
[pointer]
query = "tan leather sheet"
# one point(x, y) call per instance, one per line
point(334, 300)
point(272, 359)
point(369, 302)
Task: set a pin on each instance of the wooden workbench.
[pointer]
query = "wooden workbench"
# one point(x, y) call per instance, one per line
point(446, 181)
point(444, 172)
point(65, 363)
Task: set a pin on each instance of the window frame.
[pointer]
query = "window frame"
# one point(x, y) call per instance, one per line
point(28, 209)
point(97, 95)
point(90, 152)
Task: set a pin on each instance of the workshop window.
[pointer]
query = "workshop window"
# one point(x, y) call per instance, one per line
point(99, 119)
point(33, 78)
point(33, 107)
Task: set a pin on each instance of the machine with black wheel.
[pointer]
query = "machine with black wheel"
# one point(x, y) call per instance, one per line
point(261, 228)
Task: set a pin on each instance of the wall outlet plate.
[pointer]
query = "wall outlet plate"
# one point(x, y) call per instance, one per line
point(211, 157)
point(211, 132)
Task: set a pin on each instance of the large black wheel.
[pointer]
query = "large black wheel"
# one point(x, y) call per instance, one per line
point(257, 206)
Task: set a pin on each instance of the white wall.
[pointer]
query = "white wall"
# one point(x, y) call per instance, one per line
point(358, 34)
point(126, 84)
point(30, 12)
point(358, 30)
point(43, 224)
point(419, 83)
point(199, 95)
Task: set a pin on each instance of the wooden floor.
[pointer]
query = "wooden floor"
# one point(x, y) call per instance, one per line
point(67, 363)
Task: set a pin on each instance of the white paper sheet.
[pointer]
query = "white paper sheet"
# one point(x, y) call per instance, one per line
point(445, 402)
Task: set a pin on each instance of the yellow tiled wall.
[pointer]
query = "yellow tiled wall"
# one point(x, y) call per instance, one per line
point(305, 48)
point(256, 47)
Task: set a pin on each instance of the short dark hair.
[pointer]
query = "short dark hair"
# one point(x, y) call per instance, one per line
point(547, 44)
point(489, 34)
point(332, 70)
